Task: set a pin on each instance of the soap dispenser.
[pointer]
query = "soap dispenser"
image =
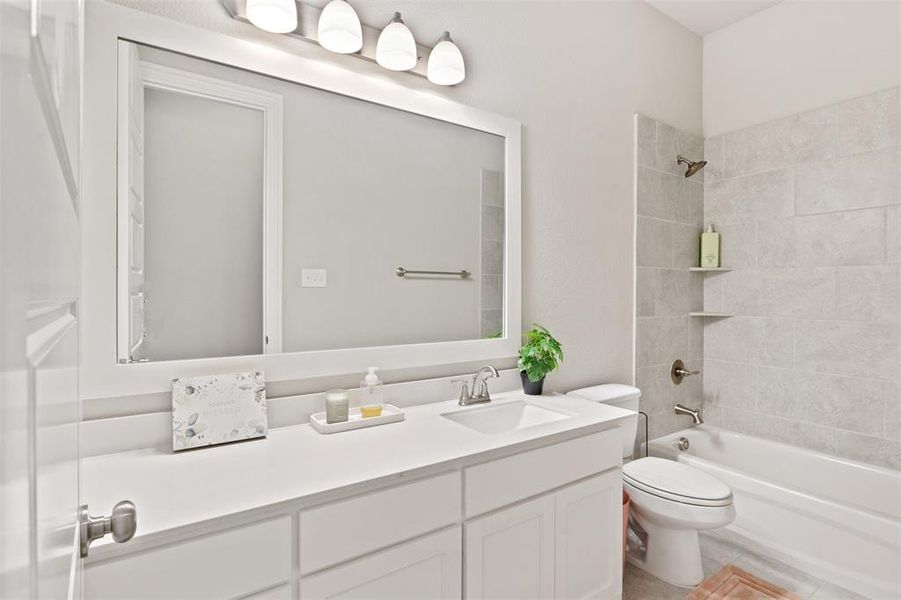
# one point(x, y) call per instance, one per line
point(371, 394)
point(710, 248)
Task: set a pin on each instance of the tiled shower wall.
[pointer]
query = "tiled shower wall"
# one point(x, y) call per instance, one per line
point(491, 315)
point(670, 213)
point(809, 208)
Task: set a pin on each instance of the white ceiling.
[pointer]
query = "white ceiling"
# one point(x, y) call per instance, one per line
point(706, 16)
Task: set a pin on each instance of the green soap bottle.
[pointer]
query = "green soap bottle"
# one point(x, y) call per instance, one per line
point(710, 248)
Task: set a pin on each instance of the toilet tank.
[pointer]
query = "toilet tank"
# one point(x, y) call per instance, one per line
point(621, 396)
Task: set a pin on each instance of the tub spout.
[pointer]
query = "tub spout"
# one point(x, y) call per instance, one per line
point(695, 414)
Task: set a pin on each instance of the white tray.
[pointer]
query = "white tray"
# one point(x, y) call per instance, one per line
point(390, 414)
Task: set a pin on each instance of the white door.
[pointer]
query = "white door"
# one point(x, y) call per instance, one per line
point(510, 553)
point(588, 525)
point(130, 160)
point(39, 288)
point(424, 569)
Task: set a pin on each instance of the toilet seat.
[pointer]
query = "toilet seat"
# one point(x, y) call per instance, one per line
point(676, 482)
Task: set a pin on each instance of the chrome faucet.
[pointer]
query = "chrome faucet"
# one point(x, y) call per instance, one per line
point(695, 414)
point(468, 393)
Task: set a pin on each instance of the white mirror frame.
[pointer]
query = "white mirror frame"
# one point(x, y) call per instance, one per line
point(101, 376)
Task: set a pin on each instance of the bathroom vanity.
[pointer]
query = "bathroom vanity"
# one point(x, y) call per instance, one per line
point(425, 508)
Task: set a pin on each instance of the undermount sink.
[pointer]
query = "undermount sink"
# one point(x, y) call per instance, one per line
point(500, 418)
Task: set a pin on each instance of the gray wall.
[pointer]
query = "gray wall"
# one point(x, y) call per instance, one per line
point(810, 213)
point(204, 227)
point(670, 212)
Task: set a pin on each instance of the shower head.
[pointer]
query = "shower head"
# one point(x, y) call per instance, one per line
point(693, 166)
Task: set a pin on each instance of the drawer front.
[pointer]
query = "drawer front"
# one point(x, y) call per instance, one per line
point(347, 529)
point(426, 568)
point(223, 565)
point(507, 480)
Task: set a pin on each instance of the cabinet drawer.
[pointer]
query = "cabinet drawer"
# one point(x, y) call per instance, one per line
point(507, 480)
point(347, 529)
point(223, 565)
point(429, 568)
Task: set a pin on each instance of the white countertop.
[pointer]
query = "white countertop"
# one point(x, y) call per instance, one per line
point(297, 464)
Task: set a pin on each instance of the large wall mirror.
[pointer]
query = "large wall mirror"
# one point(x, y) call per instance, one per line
point(263, 216)
point(268, 206)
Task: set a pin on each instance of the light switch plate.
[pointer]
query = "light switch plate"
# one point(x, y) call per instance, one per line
point(313, 278)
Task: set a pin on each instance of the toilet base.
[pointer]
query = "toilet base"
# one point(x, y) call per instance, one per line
point(672, 555)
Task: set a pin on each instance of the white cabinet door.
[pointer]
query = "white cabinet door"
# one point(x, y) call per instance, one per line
point(510, 553)
point(425, 569)
point(588, 538)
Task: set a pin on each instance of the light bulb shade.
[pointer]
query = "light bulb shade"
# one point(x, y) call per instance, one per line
point(277, 16)
point(396, 49)
point(339, 28)
point(446, 66)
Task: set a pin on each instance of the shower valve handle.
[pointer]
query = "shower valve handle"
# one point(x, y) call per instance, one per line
point(679, 372)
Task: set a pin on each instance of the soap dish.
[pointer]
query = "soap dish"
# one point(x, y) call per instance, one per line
point(355, 420)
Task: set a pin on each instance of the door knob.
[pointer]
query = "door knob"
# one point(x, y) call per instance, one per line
point(122, 523)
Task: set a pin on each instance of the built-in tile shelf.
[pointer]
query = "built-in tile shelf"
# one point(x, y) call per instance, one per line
point(708, 269)
point(713, 315)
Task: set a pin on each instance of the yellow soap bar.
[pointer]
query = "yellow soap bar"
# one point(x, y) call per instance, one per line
point(370, 411)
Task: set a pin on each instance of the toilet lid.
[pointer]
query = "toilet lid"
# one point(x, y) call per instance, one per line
point(676, 481)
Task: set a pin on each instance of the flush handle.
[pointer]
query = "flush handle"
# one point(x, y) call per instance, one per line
point(679, 372)
point(122, 523)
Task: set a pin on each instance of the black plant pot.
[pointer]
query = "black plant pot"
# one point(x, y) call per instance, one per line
point(532, 388)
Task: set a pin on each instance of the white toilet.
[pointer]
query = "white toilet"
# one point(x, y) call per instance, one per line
point(671, 501)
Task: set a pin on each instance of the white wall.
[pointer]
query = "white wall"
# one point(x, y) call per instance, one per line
point(574, 73)
point(797, 56)
point(203, 180)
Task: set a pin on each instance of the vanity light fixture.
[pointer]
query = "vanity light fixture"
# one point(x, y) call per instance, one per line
point(339, 28)
point(277, 16)
point(396, 48)
point(446, 66)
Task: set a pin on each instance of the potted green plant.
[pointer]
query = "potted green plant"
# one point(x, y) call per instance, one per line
point(540, 355)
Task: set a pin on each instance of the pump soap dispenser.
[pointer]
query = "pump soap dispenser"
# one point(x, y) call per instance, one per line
point(371, 394)
point(710, 248)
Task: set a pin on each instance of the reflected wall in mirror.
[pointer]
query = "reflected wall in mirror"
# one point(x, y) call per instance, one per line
point(260, 216)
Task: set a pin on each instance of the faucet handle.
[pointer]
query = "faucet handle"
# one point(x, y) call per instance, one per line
point(678, 372)
point(464, 390)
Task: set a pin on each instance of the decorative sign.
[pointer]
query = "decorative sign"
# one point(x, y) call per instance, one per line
point(218, 409)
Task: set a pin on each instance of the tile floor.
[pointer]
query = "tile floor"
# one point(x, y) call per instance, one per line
point(718, 549)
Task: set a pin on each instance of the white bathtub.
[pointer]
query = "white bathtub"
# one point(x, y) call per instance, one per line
point(836, 519)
